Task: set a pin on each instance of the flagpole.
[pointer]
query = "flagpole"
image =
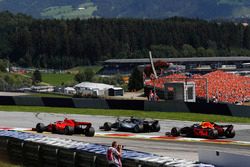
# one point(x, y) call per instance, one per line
point(153, 68)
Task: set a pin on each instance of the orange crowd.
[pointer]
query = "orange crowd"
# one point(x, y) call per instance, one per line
point(221, 86)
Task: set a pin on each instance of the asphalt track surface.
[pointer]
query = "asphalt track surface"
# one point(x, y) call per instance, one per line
point(176, 149)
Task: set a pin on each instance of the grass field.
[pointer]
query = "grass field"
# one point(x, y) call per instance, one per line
point(5, 164)
point(57, 79)
point(48, 95)
point(75, 70)
point(83, 11)
point(141, 114)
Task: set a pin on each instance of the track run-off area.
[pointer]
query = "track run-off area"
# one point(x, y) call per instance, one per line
point(157, 142)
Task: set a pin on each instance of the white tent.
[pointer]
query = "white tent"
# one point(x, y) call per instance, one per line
point(90, 88)
point(69, 90)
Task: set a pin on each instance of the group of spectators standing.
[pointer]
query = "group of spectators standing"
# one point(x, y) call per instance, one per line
point(152, 96)
point(114, 155)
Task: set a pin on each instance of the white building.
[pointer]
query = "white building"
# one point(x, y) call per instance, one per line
point(69, 90)
point(92, 89)
point(42, 89)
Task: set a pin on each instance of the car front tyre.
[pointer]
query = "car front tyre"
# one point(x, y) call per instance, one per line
point(107, 126)
point(68, 130)
point(40, 127)
point(175, 131)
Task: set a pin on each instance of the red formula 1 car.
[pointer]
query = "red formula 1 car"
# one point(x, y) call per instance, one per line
point(204, 130)
point(67, 127)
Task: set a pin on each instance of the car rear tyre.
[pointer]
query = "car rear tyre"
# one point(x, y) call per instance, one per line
point(156, 127)
point(175, 131)
point(213, 134)
point(68, 130)
point(230, 134)
point(138, 128)
point(40, 127)
point(107, 126)
point(90, 132)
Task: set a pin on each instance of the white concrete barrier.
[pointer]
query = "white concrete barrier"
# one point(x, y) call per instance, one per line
point(223, 159)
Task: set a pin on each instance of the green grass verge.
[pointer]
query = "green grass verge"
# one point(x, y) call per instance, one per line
point(5, 164)
point(141, 114)
point(48, 95)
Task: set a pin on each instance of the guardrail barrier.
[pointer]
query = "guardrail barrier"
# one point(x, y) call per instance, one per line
point(36, 150)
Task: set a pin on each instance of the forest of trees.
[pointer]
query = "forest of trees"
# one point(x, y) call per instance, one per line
point(61, 44)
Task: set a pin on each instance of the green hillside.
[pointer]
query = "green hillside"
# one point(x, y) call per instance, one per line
point(128, 8)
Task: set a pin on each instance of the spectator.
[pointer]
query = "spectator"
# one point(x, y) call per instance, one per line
point(214, 99)
point(114, 154)
point(151, 96)
point(155, 97)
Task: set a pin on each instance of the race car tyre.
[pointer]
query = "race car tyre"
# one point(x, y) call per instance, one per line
point(40, 127)
point(188, 131)
point(138, 128)
point(230, 134)
point(53, 129)
point(107, 126)
point(175, 131)
point(90, 132)
point(156, 127)
point(68, 130)
point(213, 134)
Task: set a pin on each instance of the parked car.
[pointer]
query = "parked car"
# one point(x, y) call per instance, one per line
point(67, 127)
point(135, 125)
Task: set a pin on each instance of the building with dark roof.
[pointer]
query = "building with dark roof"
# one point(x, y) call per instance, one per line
point(192, 64)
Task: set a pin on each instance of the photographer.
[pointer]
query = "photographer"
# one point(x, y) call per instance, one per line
point(114, 154)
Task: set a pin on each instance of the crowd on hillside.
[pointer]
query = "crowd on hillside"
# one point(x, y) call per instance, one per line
point(221, 86)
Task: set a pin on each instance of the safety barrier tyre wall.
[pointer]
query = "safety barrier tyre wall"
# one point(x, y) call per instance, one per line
point(31, 154)
point(85, 159)
point(15, 150)
point(3, 148)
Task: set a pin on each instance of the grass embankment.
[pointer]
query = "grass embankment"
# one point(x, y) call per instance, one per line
point(5, 164)
point(57, 79)
point(48, 95)
point(75, 70)
point(141, 114)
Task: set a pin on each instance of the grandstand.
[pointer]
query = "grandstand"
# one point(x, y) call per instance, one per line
point(200, 65)
point(222, 86)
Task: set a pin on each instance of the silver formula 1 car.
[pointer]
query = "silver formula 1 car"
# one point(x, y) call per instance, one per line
point(135, 125)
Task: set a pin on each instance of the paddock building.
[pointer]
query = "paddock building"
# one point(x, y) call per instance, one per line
point(200, 65)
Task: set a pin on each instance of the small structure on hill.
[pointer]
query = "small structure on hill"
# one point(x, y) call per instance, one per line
point(69, 90)
point(97, 89)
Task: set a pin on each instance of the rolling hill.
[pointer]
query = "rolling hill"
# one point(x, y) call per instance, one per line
point(67, 9)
